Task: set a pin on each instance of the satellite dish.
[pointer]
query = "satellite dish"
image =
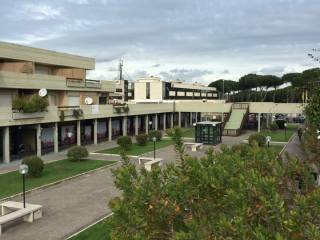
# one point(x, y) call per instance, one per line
point(88, 100)
point(43, 92)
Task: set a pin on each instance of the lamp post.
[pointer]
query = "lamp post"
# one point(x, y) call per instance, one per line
point(154, 139)
point(23, 170)
point(285, 131)
point(268, 138)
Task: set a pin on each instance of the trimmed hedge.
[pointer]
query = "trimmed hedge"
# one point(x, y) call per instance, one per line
point(155, 133)
point(142, 139)
point(124, 142)
point(35, 165)
point(257, 139)
point(241, 149)
point(274, 126)
point(77, 153)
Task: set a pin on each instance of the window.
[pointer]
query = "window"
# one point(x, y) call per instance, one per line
point(73, 101)
point(147, 90)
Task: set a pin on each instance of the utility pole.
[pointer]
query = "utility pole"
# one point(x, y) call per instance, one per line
point(120, 68)
point(223, 88)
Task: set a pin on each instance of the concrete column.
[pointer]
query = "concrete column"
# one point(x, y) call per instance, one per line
point(191, 119)
point(259, 122)
point(6, 145)
point(147, 123)
point(171, 120)
point(110, 129)
point(95, 131)
point(55, 138)
point(196, 117)
point(164, 121)
point(38, 140)
point(136, 125)
point(124, 126)
point(179, 119)
point(156, 122)
point(222, 117)
point(78, 133)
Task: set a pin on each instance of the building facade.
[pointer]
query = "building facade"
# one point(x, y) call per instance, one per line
point(153, 89)
point(47, 104)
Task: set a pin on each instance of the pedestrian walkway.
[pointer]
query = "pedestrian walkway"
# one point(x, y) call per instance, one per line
point(294, 148)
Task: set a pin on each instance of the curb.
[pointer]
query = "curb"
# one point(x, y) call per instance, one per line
point(59, 181)
point(112, 154)
point(284, 147)
point(89, 226)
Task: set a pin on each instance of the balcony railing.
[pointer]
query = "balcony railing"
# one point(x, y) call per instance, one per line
point(83, 84)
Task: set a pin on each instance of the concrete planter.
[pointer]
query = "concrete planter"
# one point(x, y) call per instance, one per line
point(21, 115)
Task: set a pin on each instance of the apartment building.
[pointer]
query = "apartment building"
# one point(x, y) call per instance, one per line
point(47, 104)
point(154, 89)
point(124, 90)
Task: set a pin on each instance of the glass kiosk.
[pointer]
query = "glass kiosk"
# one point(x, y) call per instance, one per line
point(208, 132)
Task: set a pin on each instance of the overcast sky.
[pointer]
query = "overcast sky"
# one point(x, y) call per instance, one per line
point(194, 40)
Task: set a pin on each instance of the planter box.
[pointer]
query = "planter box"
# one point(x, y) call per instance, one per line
point(20, 115)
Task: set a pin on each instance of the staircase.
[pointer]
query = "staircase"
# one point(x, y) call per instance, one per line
point(237, 119)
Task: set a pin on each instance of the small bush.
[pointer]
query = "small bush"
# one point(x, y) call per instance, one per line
point(257, 138)
point(241, 149)
point(142, 139)
point(274, 126)
point(280, 123)
point(34, 104)
point(124, 142)
point(155, 133)
point(35, 165)
point(77, 153)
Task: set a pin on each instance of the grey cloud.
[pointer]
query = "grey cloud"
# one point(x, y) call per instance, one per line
point(184, 74)
point(226, 71)
point(156, 65)
point(276, 70)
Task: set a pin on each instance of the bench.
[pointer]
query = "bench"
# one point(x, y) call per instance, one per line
point(14, 210)
point(194, 146)
point(149, 161)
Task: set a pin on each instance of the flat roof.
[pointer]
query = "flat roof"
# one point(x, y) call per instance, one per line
point(25, 53)
point(207, 123)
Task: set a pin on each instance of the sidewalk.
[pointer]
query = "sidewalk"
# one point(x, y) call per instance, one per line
point(294, 149)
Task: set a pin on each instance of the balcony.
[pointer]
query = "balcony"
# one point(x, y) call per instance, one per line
point(76, 83)
point(21, 115)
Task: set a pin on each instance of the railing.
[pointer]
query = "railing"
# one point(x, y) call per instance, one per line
point(240, 106)
point(83, 84)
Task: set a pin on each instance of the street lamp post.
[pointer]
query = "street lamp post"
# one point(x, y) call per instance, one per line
point(154, 139)
point(23, 170)
point(285, 131)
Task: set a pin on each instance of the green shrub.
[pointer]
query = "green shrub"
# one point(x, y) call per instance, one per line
point(274, 126)
point(124, 142)
point(280, 123)
point(34, 104)
point(35, 165)
point(257, 138)
point(241, 149)
point(142, 139)
point(155, 133)
point(77, 153)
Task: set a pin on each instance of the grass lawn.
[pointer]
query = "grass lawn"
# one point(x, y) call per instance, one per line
point(138, 150)
point(279, 135)
point(11, 183)
point(188, 132)
point(277, 148)
point(99, 231)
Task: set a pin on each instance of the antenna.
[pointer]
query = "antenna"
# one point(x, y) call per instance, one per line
point(120, 68)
